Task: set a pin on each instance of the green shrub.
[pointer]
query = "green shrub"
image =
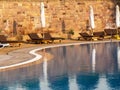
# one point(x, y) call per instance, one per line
point(71, 31)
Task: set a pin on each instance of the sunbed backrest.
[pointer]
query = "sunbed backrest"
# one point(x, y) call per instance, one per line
point(98, 33)
point(47, 36)
point(84, 34)
point(111, 31)
point(33, 36)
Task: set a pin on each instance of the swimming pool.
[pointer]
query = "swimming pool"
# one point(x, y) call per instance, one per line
point(93, 66)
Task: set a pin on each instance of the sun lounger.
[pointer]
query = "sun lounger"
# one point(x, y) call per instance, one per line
point(48, 36)
point(100, 35)
point(111, 32)
point(86, 36)
point(3, 40)
point(35, 38)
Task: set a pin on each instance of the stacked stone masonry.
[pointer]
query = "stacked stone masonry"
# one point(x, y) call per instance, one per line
point(61, 15)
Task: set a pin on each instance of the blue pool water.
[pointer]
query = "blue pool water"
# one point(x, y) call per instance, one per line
point(79, 67)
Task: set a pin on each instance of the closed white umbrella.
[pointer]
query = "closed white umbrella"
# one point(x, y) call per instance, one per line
point(92, 24)
point(42, 15)
point(117, 16)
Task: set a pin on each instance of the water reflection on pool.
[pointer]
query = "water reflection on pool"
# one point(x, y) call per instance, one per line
point(79, 67)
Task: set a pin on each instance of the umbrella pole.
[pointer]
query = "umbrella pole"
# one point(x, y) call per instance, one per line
point(117, 33)
point(92, 33)
point(117, 36)
point(42, 32)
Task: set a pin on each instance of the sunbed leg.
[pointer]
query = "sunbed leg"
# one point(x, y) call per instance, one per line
point(19, 44)
point(52, 41)
point(60, 40)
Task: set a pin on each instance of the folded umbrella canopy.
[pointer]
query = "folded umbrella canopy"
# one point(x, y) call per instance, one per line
point(92, 24)
point(117, 16)
point(42, 15)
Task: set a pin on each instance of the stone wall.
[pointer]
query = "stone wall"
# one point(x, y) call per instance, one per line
point(61, 15)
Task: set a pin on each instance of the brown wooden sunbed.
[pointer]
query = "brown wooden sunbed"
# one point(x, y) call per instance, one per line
point(48, 36)
point(100, 35)
point(3, 39)
point(86, 36)
point(35, 38)
point(111, 32)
